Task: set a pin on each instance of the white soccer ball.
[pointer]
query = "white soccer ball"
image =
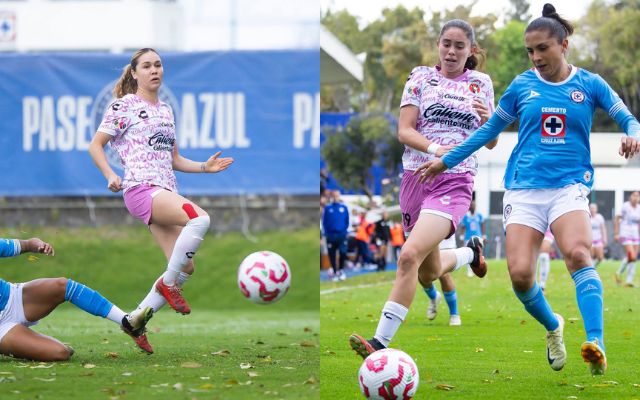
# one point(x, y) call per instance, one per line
point(264, 277)
point(388, 374)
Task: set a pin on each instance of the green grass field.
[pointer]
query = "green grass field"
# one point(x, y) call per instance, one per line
point(499, 352)
point(227, 348)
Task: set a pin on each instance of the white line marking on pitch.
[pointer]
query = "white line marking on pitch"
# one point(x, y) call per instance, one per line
point(343, 288)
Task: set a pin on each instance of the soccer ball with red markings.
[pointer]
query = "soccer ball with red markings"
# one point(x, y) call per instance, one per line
point(388, 374)
point(264, 277)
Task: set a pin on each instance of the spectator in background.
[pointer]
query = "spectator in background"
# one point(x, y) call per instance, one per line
point(397, 239)
point(335, 222)
point(627, 232)
point(472, 224)
point(382, 238)
point(363, 239)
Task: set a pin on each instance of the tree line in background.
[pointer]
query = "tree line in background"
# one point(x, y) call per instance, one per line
point(606, 41)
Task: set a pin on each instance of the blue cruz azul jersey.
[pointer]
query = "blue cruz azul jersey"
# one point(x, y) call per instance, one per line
point(8, 248)
point(555, 122)
point(472, 225)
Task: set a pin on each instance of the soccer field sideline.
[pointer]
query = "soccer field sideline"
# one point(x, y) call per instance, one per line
point(497, 353)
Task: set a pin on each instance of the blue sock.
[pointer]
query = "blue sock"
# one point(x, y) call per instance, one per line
point(87, 299)
point(590, 302)
point(431, 292)
point(452, 301)
point(536, 305)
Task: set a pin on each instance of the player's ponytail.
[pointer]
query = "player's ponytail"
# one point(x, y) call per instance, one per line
point(551, 21)
point(127, 84)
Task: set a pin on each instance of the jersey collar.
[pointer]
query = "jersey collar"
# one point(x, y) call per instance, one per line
point(574, 69)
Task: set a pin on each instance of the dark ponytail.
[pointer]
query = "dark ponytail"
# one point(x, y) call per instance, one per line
point(557, 26)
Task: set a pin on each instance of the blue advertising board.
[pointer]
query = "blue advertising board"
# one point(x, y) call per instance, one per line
point(261, 108)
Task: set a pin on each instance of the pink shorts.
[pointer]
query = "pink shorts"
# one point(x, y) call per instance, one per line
point(139, 200)
point(449, 196)
point(597, 243)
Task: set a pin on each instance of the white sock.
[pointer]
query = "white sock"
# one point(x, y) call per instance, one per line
point(116, 315)
point(392, 316)
point(631, 271)
point(185, 248)
point(464, 255)
point(154, 299)
point(623, 266)
point(544, 262)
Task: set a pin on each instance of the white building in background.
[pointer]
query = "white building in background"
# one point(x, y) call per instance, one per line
point(167, 25)
point(614, 176)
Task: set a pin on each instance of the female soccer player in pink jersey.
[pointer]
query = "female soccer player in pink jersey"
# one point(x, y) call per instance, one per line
point(141, 129)
point(441, 106)
point(627, 232)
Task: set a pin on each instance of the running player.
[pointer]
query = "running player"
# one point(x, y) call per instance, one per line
point(440, 106)
point(627, 232)
point(549, 177)
point(141, 129)
point(598, 235)
point(24, 304)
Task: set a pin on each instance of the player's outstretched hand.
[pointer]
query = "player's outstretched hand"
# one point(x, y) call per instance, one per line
point(37, 245)
point(629, 147)
point(217, 164)
point(115, 183)
point(429, 170)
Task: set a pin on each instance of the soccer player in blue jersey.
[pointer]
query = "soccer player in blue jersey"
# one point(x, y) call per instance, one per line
point(549, 176)
point(24, 304)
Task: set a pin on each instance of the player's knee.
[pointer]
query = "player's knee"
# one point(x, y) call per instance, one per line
point(580, 256)
point(60, 287)
point(521, 280)
point(409, 259)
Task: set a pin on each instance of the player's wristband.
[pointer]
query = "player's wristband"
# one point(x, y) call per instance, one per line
point(202, 167)
point(432, 148)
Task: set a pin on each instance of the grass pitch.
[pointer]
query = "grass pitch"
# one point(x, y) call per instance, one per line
point(227, 348)
point(499, 352)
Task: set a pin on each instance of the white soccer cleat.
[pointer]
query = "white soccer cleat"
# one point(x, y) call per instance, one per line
point(593, 355)
point(455, 320)
point(556, 352)
point(432, 310)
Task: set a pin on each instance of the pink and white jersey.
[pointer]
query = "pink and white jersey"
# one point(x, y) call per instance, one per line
point(445, 112)
point(597, 222)
point(630, 221)
point(144, 138)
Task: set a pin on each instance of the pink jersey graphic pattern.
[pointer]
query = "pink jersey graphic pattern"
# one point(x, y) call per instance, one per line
point(144, 138)
point(445, 113)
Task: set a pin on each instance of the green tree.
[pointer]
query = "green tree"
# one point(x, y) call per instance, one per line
point(352, 151)
point(508, 57)
point(519, 11)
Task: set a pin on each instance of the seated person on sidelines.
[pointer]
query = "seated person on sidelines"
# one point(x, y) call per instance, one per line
point(24, 304)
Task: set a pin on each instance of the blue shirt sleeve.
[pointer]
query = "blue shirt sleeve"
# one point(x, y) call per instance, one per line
point(487, 132)
point(608, 100)
point(9, 247)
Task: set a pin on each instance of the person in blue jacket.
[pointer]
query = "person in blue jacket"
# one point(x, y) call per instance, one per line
point(22, 305)
point(549, 177)
point(335, 221)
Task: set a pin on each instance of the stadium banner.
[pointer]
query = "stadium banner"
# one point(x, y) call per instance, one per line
point(261, 108)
